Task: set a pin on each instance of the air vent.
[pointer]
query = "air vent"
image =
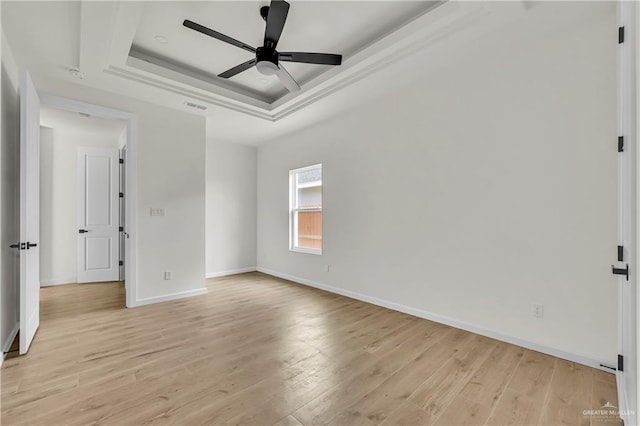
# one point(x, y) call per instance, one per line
point(196, 106)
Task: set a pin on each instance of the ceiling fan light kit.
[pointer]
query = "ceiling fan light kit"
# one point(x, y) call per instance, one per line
point(266, 61)
point(267, 58)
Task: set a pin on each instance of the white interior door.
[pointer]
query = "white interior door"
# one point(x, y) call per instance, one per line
point(29, 212)
point(98, 216)
point(627, 359)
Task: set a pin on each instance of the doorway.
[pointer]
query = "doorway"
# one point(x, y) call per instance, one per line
point(129, 200)
point(80, 217)
point(30, 112)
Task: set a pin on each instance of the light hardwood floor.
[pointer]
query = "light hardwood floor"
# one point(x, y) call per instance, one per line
point(260, 350)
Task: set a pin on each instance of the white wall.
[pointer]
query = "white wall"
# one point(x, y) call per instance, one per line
point(9, 198)
point(59, 199)
point(231, 207)
point(171, 175)
point(485, 186)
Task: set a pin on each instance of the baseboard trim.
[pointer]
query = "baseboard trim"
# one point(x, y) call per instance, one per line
point(231, 272)
point(443, 320)
point(7, 343)
point(58, 281)
point(172, 296)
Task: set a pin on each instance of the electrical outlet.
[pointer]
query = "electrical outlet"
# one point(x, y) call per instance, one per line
point(538, 310)
point(167, 275)
point(157, 211)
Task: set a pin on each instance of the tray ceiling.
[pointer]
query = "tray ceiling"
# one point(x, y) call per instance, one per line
point(312, 26)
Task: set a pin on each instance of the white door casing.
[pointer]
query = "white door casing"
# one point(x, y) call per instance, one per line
point(626, 377)
point(98, 214)
point(29, 212)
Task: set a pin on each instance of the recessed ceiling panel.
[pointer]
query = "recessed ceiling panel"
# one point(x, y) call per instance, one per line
point(312, 26)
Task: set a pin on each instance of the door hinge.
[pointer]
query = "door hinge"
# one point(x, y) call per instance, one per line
point(620, 35)
point(620, 253)
point(621, 271)
point(121, 262)
point(620, 363)
point(620, 143)
point(122, 195)
point(121, 160)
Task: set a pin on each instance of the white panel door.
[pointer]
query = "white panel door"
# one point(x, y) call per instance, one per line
point(98, 216)
point(29, 212)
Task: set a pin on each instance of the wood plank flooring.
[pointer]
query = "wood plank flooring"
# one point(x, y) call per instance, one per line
point(264, 351)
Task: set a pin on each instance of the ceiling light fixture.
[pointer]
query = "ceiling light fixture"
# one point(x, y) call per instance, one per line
point(267, 68)
point(267, 61)
point(161, 39)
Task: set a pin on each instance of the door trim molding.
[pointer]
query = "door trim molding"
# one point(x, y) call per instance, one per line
point(131, 193)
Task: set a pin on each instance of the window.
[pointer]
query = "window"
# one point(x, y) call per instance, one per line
point(305, 211)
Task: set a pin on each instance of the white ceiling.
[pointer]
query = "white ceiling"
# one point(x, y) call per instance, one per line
point(72, 121)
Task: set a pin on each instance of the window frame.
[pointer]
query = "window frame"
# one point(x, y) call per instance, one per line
point(293, 210)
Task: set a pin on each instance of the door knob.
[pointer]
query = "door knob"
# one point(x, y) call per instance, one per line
point(82, 231)
point(17, 246)
point(29, 245)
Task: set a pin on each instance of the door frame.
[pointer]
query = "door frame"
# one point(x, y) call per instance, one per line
point(131, 170)
point(628, 187)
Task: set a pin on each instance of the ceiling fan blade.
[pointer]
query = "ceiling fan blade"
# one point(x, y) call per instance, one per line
point(275, 22)
point(211, 33)
point(238, 69)
point(311, 58)
point(287, 79)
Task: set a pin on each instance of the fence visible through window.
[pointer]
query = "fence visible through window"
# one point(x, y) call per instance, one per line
point(306, 209)
point(310, 229)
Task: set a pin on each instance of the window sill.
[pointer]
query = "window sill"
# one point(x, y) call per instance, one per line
point(307, 250)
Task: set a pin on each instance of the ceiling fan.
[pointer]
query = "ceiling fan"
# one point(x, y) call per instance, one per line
point(267, 59)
